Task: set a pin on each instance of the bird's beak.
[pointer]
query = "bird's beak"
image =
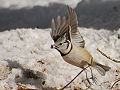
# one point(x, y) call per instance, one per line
point(53, 46)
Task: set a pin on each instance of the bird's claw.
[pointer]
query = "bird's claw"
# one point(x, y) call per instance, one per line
point(94, 79)
point(88, 81)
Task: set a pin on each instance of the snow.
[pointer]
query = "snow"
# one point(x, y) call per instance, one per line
point(34, 13)
point(17, 4)
point(27, 60)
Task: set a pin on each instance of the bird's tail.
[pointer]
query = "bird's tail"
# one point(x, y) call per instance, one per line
point(102, 69)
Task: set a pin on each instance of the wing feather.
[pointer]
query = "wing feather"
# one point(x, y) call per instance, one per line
point(58, 25)
point(53, 27)
point(77, 38)
point(67, 28)
point(59, 29)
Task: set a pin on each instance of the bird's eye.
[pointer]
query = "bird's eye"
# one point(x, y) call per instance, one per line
point(66, 41)
point(60, 43)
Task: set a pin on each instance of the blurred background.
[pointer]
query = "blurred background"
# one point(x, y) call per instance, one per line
point(98, 14)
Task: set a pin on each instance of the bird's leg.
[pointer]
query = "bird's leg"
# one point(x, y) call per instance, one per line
point(74, 78)
point(87, 77)
point(93, 78)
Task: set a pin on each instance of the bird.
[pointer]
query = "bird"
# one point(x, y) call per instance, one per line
point(70, 43)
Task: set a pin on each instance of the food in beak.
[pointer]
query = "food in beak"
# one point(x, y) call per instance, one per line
point(53, 46)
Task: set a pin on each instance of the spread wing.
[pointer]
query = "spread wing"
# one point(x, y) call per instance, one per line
point(59, 29)
point(67, 29)
point(77, 39)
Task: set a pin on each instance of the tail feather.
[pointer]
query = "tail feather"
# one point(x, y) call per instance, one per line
point(102, 69)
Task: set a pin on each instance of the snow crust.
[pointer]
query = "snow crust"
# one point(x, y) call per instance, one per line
point(26, 59)
point(17, 4)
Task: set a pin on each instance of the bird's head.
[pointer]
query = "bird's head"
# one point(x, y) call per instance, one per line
point(63, 47)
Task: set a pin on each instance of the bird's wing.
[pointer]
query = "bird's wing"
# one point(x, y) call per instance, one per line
point(59, 29)
point(67, 29)
point(77, 39)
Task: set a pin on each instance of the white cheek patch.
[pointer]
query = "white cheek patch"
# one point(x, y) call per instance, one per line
point(66, 45)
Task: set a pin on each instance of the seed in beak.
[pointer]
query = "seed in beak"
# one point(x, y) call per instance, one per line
point(53, 46)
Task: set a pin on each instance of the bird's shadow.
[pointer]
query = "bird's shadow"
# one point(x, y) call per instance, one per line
point(30, 77)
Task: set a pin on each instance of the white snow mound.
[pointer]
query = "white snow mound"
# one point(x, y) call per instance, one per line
point(27, 60)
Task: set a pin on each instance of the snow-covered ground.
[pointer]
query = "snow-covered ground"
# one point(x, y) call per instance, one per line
point(17, 4)
point(26, 60)
point(97, 14)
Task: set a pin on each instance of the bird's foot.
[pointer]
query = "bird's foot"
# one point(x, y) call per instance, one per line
point(94, 79)
point(90, 83)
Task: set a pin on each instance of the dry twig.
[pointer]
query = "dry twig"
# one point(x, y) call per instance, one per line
point(117, 61)
point(115, 83)
point(74, 78)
